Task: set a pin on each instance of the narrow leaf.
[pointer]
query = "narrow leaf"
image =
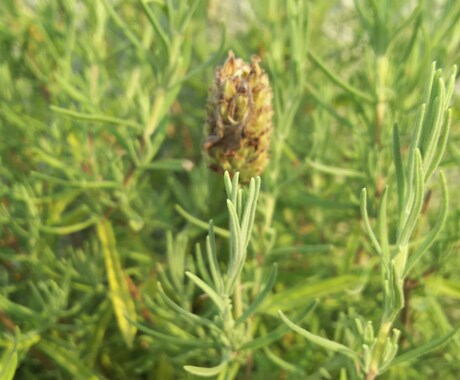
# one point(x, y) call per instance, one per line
point(17, 311)
point(430, 135)
point(177, 341)
point(205, 372)
point(429, 84)
point(441, 145)
point(207, 289)
point(397, 159)
point(212, 259)
point(122, 302)
point(434, 233)
point(334, 170)
point(95, 118)
point(296, 296)
point(413, 146)
point(424, 349)
point(247, 212)
point(68, 360)
point(444, 287)
point(200, 223)
point(383, 227)
point(260, 297)
point(396, 283)
point(334, 78)
point(253, 210)
point(416, 202)
point(201, 265)
point(450, 85)
point(181, 311)
point(367, 223)
point(66, 230)
point(234, 193)
point(157, 26)
point(228, 185)
point(8, 365)
point(282, 363)
point(320, 341)
point(267, 338)
point(237, 251)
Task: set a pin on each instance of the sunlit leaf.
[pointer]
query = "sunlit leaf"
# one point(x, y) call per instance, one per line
point(122, 302)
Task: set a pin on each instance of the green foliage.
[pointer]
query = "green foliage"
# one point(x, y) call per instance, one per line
point(109, 266)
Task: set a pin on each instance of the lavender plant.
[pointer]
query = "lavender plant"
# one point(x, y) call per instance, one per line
point(378, 350)
point(109, 267)
point(229, 327)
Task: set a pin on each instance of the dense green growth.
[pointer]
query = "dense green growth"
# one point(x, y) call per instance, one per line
point(109, 268)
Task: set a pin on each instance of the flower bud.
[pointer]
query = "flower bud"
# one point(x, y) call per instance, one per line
point(238, 124)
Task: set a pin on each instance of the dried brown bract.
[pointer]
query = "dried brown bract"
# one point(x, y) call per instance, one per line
point(239, 113)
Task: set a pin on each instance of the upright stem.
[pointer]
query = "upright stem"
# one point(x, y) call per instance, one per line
point(380, 107)
point(384, 330)
point(393, 306)
point(237, 299)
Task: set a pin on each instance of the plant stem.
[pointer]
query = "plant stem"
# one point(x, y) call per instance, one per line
point(237, 299)
point(384, 330)
point(380, 106)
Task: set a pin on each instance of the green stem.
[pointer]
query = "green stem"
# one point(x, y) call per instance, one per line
point(384, 330)
point(237, 299)
point(380, 106)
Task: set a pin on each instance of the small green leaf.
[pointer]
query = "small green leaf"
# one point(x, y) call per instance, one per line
point(95, 118)
point(320, 341)
point(200, 223)
point(237, 249)
point(260, 297)
point(450, 85)
point(434, 233)
point(228, 185)
point(335, 78)
point(204, 371)
point(383, 227)
point(430, 134)
point(122, 302)
point(187, 341)
point(415, 202)
point(234, 194)
point(282, 363)
point(17, 311)
point(250, 210)
point(185, 313)
point(170, 164)
point(207, 289)
point(334, 170)
point(201, 265)
point(212, 259)
point(8, 365)
point(296, 296)
point(413, 147)
point(367, 223)
point(423, 349)
point(66, 359)
point(267, 338)
point(429, 83)
point(65, 230)
point(156, 24)
point(396, 290)
point(440, 145)
point(443, 286)
point(397, 160)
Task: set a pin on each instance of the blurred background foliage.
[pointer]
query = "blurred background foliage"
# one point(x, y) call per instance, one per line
point(102, 107)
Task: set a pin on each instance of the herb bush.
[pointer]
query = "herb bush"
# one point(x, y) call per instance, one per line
point(122, 256)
